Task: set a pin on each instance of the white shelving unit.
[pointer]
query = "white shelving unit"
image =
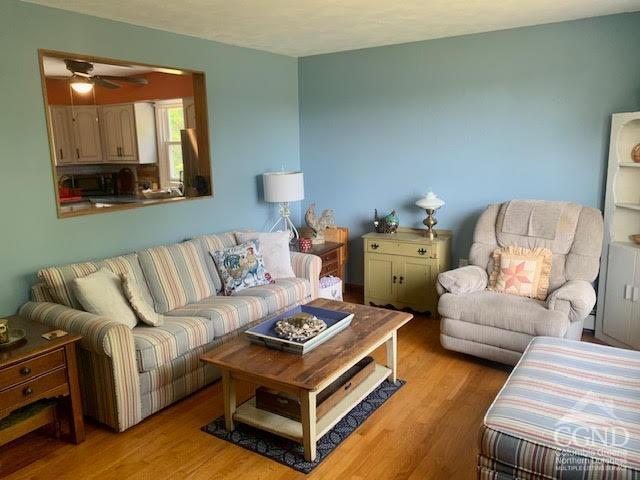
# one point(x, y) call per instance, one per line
point(618, 311)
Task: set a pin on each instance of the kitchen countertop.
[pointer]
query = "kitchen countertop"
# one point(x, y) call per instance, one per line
point(101, 203)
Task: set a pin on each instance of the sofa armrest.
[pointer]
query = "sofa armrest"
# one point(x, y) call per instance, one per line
point(307, 266)
point(580, 296)
point(462, 280)
point(96, 331)
point(107, 362)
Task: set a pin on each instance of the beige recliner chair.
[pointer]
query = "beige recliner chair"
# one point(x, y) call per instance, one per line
point(499, 326)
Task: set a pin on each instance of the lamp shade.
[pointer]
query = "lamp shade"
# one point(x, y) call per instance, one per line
point(280, 187)
point(430, 201)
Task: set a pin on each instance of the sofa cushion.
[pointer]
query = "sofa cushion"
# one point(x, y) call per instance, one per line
point(241, 267)
point(156, 346)
point(212, 243)
point(225, 314)
point(508, 312)
point(59, 279)
point(177, 275)
point(285, 292)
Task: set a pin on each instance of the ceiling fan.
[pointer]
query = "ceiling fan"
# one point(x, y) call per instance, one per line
point(84, 80)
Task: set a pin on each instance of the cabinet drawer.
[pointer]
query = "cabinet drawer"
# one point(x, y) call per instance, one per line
point(32, 390)
point(31, 368)
point(330, 257)
point(399, 248)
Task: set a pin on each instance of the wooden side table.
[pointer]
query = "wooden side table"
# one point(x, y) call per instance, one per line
point(329, 253)
point(37, 369)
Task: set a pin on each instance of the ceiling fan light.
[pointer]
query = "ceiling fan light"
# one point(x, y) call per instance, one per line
point(82, 86)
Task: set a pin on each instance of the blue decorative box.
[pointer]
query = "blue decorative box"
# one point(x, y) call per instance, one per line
point(265, 334)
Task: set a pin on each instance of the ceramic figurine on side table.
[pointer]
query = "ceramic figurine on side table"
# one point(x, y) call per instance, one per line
point(319, 224)
point(387, 224)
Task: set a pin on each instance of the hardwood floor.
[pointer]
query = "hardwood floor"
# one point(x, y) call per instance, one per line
point(428, 430)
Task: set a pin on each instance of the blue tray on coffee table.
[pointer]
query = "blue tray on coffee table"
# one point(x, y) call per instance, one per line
point(265, 334)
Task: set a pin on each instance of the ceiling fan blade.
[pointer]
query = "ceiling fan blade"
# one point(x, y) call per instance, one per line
point(136, 80)
point(105, 83)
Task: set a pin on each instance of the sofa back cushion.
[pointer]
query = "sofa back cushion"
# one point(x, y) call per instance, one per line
point(176, 275)
point(59, 280)
point(213, 243)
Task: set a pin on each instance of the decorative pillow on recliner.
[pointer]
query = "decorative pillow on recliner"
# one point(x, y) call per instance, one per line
point(521, 271)
point(241, 267)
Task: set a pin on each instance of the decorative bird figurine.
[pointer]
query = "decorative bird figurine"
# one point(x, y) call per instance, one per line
point(387, 224)
point(319, 225)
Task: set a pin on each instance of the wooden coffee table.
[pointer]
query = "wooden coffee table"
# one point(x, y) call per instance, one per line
point(305, 376)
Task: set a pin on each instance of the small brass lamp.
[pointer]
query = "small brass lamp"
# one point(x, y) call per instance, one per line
point(430, 202)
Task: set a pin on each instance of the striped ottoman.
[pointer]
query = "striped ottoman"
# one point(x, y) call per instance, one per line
point(569, 410)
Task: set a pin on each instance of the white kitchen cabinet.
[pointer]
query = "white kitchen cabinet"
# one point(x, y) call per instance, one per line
point(129, 133)
point(62, 136)
point(86, 134)
point(621, 319)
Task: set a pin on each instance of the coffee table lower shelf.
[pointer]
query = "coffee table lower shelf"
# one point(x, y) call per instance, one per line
point(249, 414)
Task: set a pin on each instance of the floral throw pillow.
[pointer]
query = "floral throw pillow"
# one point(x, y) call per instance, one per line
point(521, 271)
point(241, 267)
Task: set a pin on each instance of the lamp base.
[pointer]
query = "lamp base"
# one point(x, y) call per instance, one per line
point(430, 222)
point(285, 219)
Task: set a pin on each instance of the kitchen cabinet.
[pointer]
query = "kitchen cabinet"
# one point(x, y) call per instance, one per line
point(129, 133)
point(86, 134)
point(61, 134)
point(621, 316)
point(401, 268)
point(76, 134)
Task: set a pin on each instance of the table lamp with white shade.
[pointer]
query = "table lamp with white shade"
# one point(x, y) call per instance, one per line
point(283, 188)
point(430, 202)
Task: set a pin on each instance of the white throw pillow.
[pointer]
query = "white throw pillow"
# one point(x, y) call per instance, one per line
point(101, 293)
point(143, 310)
point(275, 251)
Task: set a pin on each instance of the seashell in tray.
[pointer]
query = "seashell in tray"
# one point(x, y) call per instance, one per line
point(300, 327)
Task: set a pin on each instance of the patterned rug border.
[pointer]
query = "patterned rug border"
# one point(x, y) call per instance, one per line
point(290, 453)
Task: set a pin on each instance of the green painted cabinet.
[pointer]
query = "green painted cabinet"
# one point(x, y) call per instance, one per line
point(400, 269)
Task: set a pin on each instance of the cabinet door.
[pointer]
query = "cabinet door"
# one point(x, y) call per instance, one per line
point(618, 305)
point(415, 280)
point(110, 133)
point(634, 319)
point(378, 276)
point(62, 136)
point(86, 135)
point(128, 143)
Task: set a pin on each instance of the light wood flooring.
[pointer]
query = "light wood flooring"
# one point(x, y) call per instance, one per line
point(428, 430)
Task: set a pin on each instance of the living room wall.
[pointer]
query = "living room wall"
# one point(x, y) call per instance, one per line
point(483, 118)
point(253, 118)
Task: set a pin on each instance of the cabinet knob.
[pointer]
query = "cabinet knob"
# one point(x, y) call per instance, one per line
point(401, 280)
point(422, 251)
point(374, 246)
point(27, 391)
point(395, 279)
point(25, 371)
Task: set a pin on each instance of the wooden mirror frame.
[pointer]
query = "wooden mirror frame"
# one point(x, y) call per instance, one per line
point(202, 129)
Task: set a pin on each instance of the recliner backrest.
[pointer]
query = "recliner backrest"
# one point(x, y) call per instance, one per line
point(571, 231)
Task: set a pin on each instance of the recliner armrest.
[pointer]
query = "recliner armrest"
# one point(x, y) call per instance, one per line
point(462, 280)
point(579, 294)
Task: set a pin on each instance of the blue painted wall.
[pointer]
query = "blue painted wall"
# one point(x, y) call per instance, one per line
point(253, 118)
point(483, 118)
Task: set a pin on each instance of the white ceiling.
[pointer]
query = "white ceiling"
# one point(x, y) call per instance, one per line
point(308, 27)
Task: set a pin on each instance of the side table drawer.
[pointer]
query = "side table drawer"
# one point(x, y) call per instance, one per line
point(31, 368)
point(390, 247)
point(32, 390)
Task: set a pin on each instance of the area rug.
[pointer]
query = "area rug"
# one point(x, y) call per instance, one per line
point(290, 453)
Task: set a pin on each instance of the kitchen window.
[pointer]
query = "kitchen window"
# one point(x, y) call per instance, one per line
point(170, 121)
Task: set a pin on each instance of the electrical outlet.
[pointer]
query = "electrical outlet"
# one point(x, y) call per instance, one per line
point(463, 262)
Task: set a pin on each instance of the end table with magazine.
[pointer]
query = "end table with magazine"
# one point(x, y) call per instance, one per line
point(310, 378)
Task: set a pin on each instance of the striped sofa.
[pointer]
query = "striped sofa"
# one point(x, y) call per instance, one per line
point(128, 374)
point(569, 410)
